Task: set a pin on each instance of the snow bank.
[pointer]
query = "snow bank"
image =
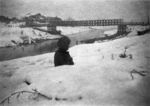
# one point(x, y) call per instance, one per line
point(12, 36)
point(111, 32)
point(99, 76)
point(9, 34)
point(74, 30)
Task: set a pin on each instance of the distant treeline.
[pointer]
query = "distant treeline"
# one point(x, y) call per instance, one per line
point(7, 20)
point(30, 18)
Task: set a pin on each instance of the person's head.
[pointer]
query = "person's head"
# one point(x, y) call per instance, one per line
point(64, 43)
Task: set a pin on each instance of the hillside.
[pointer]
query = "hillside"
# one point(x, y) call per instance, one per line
point(100, 76)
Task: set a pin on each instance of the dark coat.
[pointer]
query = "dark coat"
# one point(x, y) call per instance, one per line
point(62, 57)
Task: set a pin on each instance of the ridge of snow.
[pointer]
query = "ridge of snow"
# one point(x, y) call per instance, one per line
point(95, 79)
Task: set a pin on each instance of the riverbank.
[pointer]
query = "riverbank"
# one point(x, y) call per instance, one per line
point(49, 43)
point(20, 42)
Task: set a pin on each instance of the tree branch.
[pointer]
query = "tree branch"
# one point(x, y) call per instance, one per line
point(21, 92)
point(142, 73)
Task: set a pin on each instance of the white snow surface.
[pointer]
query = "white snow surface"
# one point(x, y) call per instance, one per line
point(67, 30)
point(98, 78)
point(74, 30)
point(7, 34)
point(110, 32)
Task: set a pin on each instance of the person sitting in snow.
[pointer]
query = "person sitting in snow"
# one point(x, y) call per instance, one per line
point(62, 56)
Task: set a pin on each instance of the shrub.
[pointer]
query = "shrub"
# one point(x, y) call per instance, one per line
point(123, 55)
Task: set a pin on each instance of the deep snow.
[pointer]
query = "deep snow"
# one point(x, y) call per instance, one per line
point(99, 77)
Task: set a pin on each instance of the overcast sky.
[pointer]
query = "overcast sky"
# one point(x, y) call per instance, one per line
point(78, 9)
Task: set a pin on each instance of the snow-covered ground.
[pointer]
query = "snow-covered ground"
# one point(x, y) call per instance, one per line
point(77, 34)
point(100, 77)
point(78, 29)
point(7, 34)
point(74, 30)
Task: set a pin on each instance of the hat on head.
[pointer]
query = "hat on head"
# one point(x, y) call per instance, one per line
point(64, 42)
